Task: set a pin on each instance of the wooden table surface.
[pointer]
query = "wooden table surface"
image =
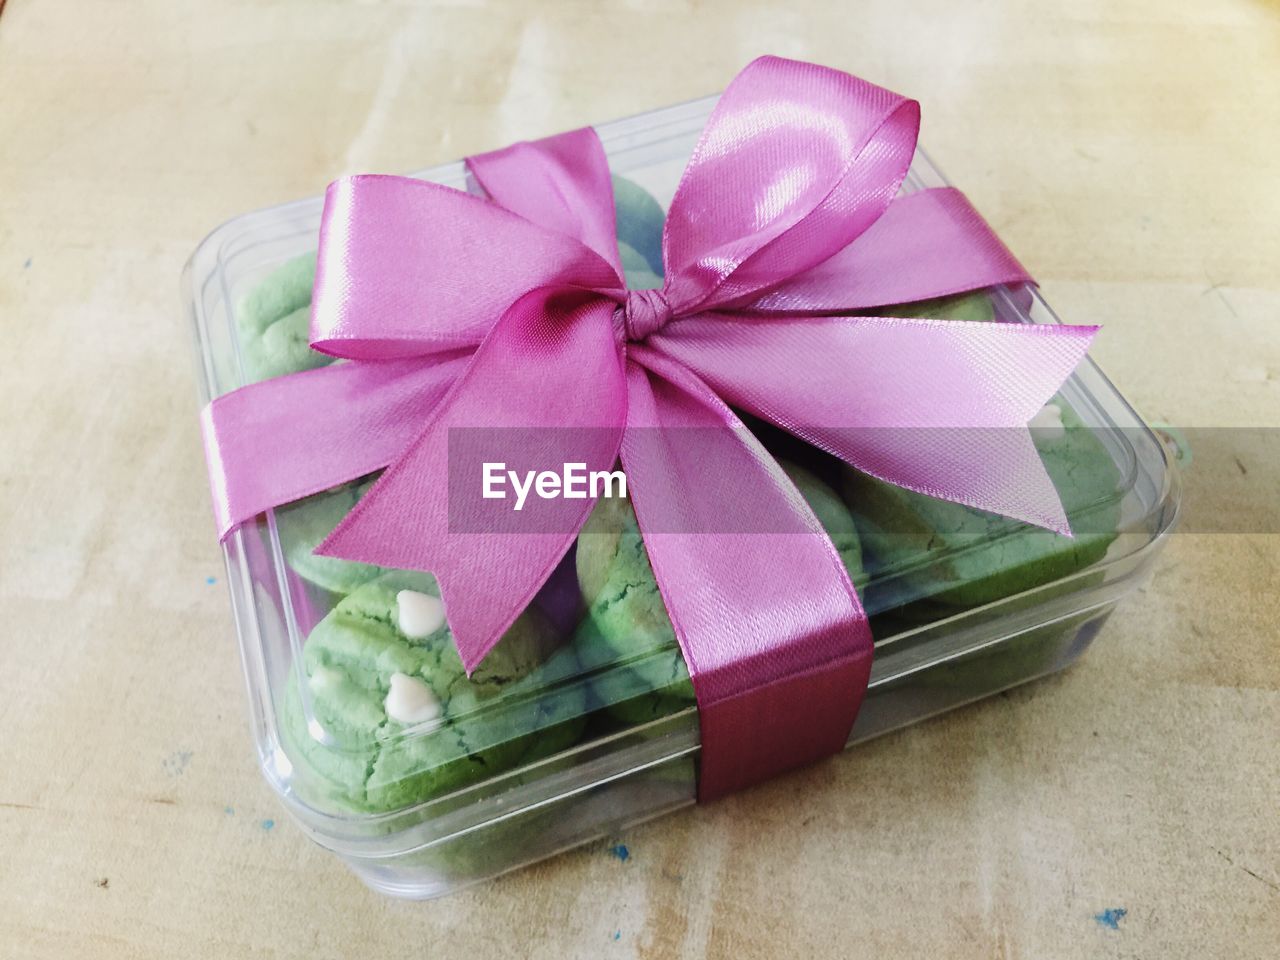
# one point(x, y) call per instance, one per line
point(1129, 152)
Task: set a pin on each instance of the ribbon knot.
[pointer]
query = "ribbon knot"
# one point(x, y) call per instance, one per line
point(644, 312)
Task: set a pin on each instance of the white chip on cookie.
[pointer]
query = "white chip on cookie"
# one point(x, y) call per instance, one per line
point(418, 614)
point(1048, 422)
point(410, 701)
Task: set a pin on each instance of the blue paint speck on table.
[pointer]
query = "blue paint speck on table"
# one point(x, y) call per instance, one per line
point(268, 824)
point(1110, 917)
point(27, 265)
point(617, 934)
point(211, 580)
point(621, 852)
point(229, 811)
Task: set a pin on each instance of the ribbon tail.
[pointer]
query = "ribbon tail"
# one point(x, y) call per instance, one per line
point(545, 387)
point(286, 438)
point(927, 244)
point(779, 664)
point(938, 407)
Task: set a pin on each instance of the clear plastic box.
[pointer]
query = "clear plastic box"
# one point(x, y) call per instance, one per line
point(585, 745)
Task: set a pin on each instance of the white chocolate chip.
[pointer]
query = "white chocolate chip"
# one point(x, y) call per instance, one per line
point(324, 678)
point(419, 614)
point(1048, 423)
point(410, 701)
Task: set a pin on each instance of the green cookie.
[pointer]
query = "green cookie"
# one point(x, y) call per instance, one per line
point(522, 703)
point(274, 322)
point(627, 635)
point(639, 220)
point(303, 526)
point(924, 549)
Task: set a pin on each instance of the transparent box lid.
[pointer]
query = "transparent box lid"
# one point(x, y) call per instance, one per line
point(367, 725)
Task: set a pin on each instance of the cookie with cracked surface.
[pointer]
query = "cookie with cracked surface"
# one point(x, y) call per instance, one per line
point(384, 715)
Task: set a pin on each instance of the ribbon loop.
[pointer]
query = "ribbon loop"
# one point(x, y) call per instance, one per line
point(796, 161)
point(408, 268)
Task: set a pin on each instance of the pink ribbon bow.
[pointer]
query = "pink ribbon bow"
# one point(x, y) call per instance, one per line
point(459, 312)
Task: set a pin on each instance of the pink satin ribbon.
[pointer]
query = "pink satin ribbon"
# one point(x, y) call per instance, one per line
point(458, 312)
